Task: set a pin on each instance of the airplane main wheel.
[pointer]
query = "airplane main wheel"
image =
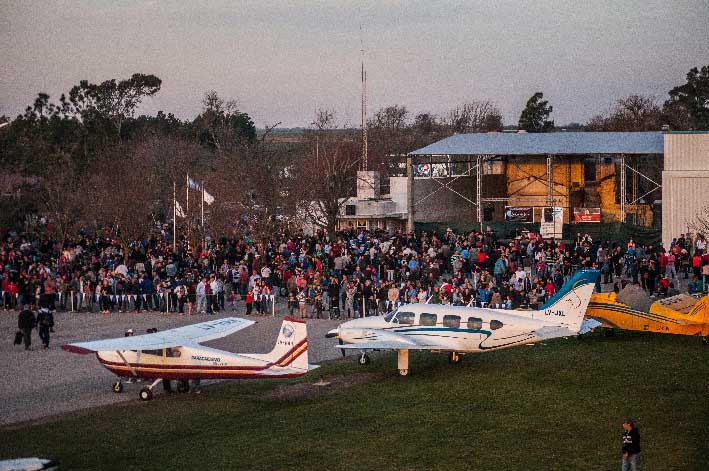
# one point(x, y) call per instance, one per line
point(364, 359)
point(183, 386)
point(403, 372)
point(454, 357)
point(705, 341)
point(117, 387)
point(145, 394)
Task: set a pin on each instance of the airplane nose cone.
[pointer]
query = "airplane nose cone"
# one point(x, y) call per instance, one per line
point(332, 334)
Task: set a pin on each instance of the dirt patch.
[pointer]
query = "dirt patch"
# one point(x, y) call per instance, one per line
point(308, 390)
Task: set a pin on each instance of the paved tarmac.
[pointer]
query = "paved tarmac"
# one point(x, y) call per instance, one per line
point(42, 383)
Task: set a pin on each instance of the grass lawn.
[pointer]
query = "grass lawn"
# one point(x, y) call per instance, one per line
point(553, 406)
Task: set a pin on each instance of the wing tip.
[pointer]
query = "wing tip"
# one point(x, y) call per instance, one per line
point(76, 349)
point(293, 319)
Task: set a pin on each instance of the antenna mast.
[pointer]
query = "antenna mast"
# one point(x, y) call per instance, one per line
point(364, 103)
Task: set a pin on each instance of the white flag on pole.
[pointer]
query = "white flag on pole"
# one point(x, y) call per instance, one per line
point(193, 185)
point(209, 199)
point(178, 210)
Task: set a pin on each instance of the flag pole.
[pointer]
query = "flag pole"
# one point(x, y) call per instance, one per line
point(187, 214)
point(174, 216)
point(204, 238)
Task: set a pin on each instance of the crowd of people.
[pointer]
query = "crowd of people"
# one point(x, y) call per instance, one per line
point(350, 275)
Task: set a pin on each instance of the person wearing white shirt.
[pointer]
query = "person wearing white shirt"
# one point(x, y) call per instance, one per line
point(201, 295)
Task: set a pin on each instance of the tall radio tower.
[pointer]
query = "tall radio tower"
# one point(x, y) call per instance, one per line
point(364, 103)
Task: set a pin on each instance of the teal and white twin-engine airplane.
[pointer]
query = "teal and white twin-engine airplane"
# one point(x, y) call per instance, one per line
point(460, 329)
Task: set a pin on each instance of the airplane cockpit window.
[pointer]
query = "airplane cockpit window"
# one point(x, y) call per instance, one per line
point(152, 352)
point(406, 317)
point(475, 323)
point(451, 321)
point(391, 317)
point(428, 319)
point(494, 325)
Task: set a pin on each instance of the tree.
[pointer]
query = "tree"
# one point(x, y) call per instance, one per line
point(475, 116)
point(221, 125)
point(700, 225)
point(631, 113)
point(692, 98)
point(111, 101)
point(535, 116)
point(326, 174)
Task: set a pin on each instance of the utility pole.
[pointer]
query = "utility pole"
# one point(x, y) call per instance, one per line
point(364, 103)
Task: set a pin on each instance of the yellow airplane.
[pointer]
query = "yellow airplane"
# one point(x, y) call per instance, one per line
point(681, 314)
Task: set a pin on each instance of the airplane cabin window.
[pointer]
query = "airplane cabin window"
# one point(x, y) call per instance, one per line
point(405, 317)
point(173, 353)
point(428, 319)
point(475, 323)
point(494, 325)
point(451, 321)
point(152, 352)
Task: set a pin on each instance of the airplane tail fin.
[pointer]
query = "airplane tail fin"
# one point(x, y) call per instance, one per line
point(568, 306)
point(291, 349)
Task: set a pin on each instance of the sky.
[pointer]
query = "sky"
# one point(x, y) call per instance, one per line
point(283, 60)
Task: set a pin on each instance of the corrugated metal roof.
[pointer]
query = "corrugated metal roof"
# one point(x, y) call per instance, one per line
point(547, 143)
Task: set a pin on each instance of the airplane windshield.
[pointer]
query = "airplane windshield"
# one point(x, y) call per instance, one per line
point(391, 317)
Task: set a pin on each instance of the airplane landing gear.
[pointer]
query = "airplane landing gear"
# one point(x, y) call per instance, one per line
point(403, 362)
point(454, 357)
point(183, 386)
point(363, 359)
point(117, 387)
point(146, 393)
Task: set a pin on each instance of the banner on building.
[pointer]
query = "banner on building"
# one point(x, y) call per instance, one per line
point(552, 225)
point(519, 214)
point(587, 214)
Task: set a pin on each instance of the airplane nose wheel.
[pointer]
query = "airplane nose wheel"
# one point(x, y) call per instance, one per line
point(118, 387)
point(454, 357)
point(145, 394)
point(364, 359)
point(183, 386)
point(403, 372)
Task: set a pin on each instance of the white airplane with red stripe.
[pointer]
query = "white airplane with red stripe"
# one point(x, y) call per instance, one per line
point(176, 354)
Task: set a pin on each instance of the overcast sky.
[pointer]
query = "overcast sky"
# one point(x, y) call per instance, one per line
point(282, 60)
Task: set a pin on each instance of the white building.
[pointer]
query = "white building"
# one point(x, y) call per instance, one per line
point(370, 209)
point(685, 182)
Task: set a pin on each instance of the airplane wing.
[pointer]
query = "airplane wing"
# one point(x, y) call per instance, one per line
point(181, 336)
point(552, 332)
point(385, 345)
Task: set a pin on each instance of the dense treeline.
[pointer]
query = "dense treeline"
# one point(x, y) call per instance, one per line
point(87, 162)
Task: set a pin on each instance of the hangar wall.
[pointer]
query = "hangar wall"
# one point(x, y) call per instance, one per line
point(685, 182)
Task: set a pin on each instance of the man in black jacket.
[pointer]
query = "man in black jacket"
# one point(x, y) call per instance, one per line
point(631, 447)
point(26, 322)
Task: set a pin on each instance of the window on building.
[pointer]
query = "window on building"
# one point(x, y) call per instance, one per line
point(495, 324)
point(428, 319)
point(475, 323)
point(405, 317)
point(451, 321)
point(350, 210)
